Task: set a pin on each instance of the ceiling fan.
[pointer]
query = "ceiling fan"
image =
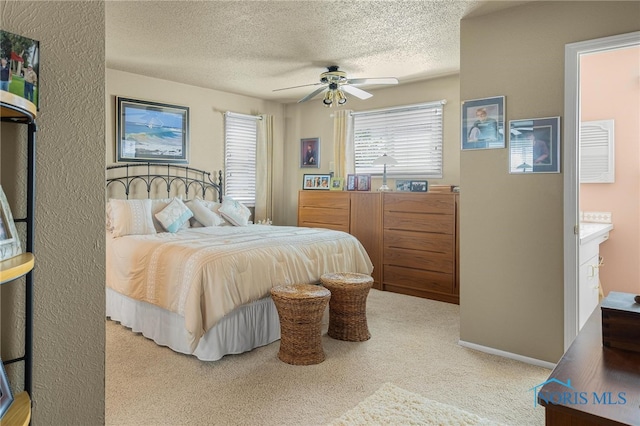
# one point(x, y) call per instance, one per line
point(334, 83)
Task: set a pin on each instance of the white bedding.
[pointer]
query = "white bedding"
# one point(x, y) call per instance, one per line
point(203, 274)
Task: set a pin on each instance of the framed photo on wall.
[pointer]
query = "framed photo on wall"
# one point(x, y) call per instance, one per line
point(534, 145)
point(151, 132)
point(20, 66)
point(316, 181)
point(310, 152)
point(483, 123)
point(9, 240)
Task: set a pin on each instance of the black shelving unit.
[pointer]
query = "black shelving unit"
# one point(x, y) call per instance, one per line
point(17, 110)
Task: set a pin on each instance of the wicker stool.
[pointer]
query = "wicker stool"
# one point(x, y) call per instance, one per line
point(301, 307)
point(348, 305)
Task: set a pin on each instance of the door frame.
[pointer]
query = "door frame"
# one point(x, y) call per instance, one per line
point(573, 51)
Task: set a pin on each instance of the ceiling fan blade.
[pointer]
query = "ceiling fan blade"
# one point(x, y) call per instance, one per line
point(296, 87)
point(312, 94)
point(358, 93)
point(385, 80)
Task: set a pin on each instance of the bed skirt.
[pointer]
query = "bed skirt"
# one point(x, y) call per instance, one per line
point(247, 327)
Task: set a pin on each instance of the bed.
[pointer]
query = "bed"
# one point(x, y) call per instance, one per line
point(201, 286)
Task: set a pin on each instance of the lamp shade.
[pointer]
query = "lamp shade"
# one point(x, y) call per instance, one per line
point(384, 159)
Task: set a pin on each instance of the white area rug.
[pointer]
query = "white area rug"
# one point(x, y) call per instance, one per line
point(391, 405)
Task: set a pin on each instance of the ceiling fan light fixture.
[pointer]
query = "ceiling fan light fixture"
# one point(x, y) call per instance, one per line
point(342, 99)
point(328, 98)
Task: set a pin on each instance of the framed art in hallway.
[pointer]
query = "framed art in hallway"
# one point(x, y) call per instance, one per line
point(534, 145)
point(151, 132)
point(310, 152)
point(6, 397)
point(482, 124)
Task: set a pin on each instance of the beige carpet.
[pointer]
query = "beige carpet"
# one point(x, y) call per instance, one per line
point(391, 405)
point(414, 345)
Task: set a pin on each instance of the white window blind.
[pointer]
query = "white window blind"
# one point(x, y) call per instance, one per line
point(597, 161)
point(411, 134)
point(240, 140)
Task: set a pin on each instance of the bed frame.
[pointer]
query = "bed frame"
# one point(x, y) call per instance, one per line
point(249, 326)
point(155, 178)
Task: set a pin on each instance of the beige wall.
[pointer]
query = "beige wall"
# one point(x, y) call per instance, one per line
point(512, 226)
point(206, 108)
point(69, 336)
point(610, 89)
point(312, 119)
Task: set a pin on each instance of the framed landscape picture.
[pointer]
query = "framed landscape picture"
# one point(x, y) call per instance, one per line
point(20, 66)
point(151, 132)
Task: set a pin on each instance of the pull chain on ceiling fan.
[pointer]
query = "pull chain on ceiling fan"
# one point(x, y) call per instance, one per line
point(334, 84)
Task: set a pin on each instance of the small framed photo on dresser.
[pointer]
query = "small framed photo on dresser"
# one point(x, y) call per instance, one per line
point(364, 182)
point(352, 183)
point(419, 186)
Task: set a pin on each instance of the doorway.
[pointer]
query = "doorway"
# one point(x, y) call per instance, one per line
point(572, 115)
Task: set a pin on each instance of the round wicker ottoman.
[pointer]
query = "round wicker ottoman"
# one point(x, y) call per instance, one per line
point(301, 307)
point(348, 305)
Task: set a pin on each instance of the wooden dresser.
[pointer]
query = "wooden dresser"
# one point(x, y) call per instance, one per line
point(411, 238)
point(604, 383)
point(420, 250)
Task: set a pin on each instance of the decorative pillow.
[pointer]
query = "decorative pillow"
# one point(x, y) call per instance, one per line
point(203, 213)
point(129, 217)
point(236, 213)
point(174, 216)
point(157, 205)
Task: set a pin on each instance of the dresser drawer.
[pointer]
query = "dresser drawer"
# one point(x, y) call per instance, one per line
point(419, 203)
point(416, 259)
point(416, 279)
point(439, 223)
point(316, 217)
point(440, 243)
point(325, 199)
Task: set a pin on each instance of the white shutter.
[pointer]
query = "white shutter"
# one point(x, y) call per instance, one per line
point(240, 141)
point(597, 160)
point(411, 134)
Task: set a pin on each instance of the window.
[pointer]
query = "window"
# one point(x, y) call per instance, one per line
point(411, 134)
point(240, 140)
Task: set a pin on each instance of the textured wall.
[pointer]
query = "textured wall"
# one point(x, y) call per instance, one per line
point(511, 237)
point(68, 378)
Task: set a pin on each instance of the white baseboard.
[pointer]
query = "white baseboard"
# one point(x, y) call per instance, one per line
point(509, 355)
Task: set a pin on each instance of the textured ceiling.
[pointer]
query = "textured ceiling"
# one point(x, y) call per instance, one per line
point(253, 47)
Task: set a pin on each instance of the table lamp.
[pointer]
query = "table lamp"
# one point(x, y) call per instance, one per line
point(384, 159)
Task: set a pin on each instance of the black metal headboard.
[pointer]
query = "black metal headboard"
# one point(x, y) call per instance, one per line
point(154, 178)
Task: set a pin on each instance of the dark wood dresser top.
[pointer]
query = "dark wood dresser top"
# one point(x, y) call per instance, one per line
point(605, 382)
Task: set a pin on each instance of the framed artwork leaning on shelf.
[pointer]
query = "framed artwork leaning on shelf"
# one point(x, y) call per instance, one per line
point(6, 397)
point(9, 240)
